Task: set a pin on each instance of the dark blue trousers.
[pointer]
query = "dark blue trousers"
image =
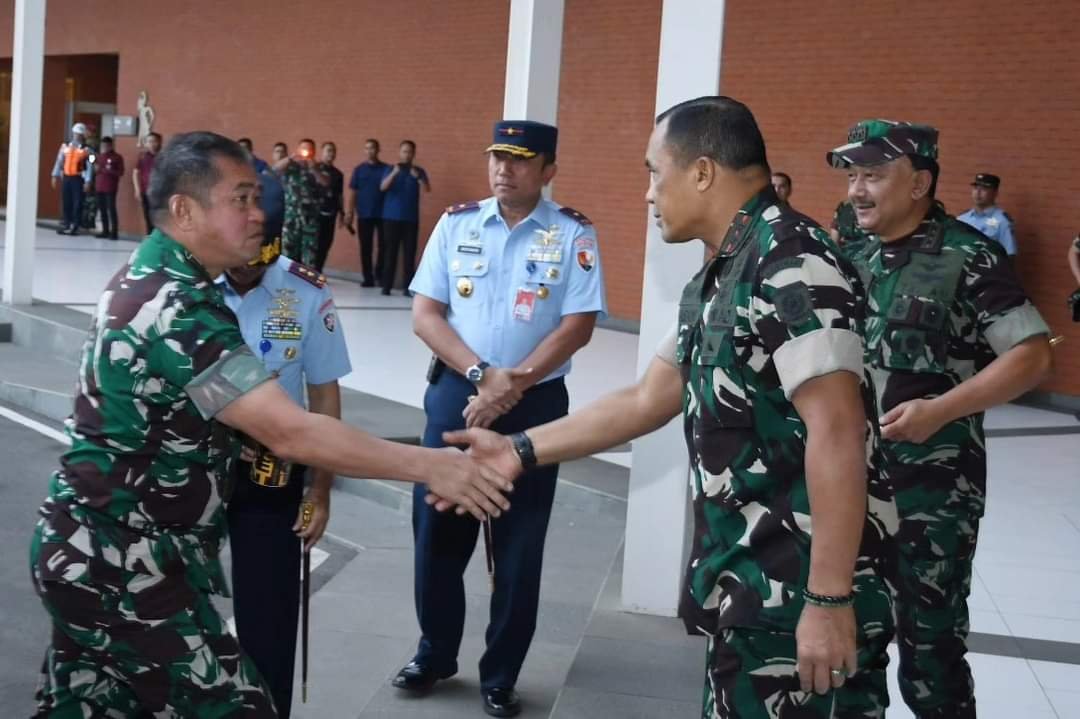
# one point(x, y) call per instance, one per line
point(445, 543)
point(72, 190)
point(266, 577)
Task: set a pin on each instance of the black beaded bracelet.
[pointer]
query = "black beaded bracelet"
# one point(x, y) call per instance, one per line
point(830, 602)
point(524, 448)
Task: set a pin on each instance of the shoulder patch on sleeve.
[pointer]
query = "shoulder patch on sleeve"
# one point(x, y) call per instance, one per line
point(462, 207)
point(793, 303)
point(571, 212)
point(308, 274)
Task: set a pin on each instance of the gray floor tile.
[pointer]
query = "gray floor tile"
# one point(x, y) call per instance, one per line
point(648, 669)
point(577, 703)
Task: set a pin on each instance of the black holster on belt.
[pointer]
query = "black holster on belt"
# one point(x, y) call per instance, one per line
point(435, 369)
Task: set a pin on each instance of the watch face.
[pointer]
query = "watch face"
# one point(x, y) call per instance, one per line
point(475, 373)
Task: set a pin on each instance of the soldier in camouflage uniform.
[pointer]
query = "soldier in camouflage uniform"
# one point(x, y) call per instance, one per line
point(949, 333)
point(845, 231)
point(125, 555)
point(793, 527)
point(306, 187)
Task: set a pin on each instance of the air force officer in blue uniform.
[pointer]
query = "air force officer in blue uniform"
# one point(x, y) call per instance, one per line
point(509, 288)
point(287, 316)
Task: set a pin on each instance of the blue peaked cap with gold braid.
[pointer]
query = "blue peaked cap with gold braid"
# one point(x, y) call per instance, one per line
point(524, 138)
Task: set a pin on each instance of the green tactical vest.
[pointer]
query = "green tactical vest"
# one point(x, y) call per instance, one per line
point(915, 311)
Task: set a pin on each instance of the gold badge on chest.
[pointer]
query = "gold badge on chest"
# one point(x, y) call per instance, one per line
point(465, 287)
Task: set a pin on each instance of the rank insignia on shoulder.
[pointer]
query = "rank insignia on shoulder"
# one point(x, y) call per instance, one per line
point(571, 212)
point(308, 274)
point(462, 207)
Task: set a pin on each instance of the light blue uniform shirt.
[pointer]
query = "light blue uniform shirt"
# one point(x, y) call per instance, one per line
point(993, 223)
point(493, 278)
point(293, 326)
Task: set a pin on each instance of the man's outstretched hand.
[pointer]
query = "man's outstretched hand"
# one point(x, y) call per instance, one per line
point(491, 451)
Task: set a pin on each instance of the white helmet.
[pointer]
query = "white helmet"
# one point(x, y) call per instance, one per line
point(78, 129)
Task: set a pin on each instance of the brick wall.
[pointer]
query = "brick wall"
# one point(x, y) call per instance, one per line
point(340, 70)
point(1000, 80)
point(606, 106)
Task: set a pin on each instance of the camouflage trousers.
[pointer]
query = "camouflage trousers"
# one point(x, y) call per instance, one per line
point(751, 674)
point(936, 554)
point(104, 662)
point(300, 242)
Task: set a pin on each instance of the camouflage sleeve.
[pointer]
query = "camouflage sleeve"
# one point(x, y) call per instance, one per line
point(805, 310)
point(1003, 313)
point(231, 376)
point(666, 349)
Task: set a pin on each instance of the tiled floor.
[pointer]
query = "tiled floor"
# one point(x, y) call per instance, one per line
point(1027, 582)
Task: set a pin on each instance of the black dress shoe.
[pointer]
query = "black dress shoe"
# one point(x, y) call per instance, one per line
point(501, 702)
point(417, 677)
point(103, 236)
point(386, 291)
point(367, 283)
point(407, 293)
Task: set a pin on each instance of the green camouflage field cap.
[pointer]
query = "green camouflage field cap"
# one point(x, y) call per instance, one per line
point(874, 142)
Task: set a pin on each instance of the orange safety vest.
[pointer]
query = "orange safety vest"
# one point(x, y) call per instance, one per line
point(74, 159)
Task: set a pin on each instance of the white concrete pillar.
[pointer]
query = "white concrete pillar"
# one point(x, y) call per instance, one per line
point(657, 515)
point(534, 61)
point(28, 67)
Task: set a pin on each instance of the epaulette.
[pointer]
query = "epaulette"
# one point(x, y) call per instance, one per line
point(571, 212)
point(462, 207)
point(1008, 217)
point(308, 274)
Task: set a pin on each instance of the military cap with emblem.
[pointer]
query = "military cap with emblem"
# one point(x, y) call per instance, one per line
point(875, 142)
point(985, 179)
point(524, 138)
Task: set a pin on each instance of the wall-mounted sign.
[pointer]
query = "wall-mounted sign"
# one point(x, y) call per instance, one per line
point(123, 126)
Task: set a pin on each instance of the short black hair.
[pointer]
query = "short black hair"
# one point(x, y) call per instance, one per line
point(282, 145)
point(186, 167)
point(716, 127)
point(246, 142)
point(155, 134)
point(373, 141)
point(410, 143)
point(306, 139)
point(107, 139)
point(787, 177)
point(329, 143)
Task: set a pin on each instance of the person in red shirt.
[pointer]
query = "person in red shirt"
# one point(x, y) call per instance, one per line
point(109, 169)
point(141, 177)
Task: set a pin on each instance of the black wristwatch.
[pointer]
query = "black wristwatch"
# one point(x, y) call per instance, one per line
point(523, 446)
point(475, 374)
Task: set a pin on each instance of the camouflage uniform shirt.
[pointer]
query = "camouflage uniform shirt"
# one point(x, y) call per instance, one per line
point(774, 308)
point(138, 500)
point(303, 198)
point(943, 303)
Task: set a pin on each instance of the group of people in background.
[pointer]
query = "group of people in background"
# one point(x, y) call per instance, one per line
point(382, 205)
point(984, 215)
point(81, 172)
